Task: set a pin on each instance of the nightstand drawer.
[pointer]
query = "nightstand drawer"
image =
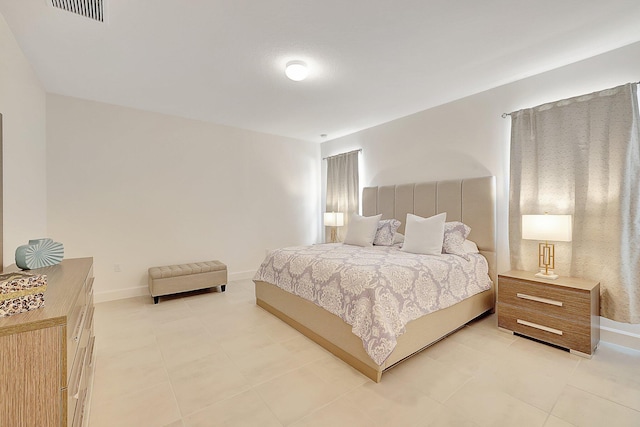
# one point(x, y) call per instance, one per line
point(535, 324)
point(567, 303)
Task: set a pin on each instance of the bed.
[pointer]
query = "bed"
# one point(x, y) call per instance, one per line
point(471, 201)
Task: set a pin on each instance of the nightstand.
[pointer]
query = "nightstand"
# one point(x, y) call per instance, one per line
point(564, 312)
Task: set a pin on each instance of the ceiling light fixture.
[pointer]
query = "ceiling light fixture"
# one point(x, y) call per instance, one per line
point(296, 70)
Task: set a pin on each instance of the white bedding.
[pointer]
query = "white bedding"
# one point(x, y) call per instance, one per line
point(377, 290)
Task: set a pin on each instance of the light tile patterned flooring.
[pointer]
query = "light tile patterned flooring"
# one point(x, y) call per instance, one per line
point(216, 359)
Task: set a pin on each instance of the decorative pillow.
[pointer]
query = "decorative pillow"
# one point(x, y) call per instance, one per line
point(361, 230)
point(424, 235)
point(398, 238)
point(386, 231)
point(470, 247)
point(455, 233)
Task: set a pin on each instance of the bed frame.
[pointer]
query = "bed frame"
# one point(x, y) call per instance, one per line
point(469, 200)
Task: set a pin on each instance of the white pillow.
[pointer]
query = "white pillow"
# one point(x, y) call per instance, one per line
point(398, 238)
point(470, 247)
point(424, 235)
point(361, 230)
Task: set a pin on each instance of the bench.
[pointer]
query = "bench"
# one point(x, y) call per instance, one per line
point(173, 279)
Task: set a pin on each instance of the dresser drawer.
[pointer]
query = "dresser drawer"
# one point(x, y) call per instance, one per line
point(80, 383)
point(74, 390)
point(74, 320)
point(536, 324)
point(76, 340)
point(567, 303)
point(80, 319)
point(79, 417)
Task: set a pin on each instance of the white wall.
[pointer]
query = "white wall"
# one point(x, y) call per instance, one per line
point(468, 137)
point(140, 189)
point(22, 104)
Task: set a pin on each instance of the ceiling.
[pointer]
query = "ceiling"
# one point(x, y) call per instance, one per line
point(372, 61)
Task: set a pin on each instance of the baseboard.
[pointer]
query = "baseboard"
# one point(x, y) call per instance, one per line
point(141, 291)
point(241, 275)
point(117, 294)
point(623, 334)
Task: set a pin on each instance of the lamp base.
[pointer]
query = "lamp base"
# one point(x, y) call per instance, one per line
point(550, 275)
point(334, 235)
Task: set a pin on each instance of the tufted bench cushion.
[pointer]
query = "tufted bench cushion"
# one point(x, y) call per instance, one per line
point(173, 279)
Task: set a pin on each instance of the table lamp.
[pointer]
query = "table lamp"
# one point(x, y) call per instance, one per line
point(334, 220)
point(555, 228)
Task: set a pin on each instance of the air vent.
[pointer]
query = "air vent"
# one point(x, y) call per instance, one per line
point(92, 9)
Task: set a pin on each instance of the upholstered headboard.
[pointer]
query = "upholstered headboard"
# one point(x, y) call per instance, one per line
point(471, 200)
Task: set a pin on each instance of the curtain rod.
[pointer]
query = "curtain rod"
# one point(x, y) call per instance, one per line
point(504, 115)
point(342, 154)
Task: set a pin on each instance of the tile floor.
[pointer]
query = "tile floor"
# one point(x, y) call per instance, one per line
point(216, 359)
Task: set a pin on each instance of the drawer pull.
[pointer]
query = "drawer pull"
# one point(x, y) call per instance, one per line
point(539, 299)
point(543, 328)
point(91, 346)
point(89, 320)
point(77, 376)
point(77, 331)
point(90, 286)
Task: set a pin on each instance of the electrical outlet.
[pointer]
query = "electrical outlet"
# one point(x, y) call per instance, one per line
point(117, 268)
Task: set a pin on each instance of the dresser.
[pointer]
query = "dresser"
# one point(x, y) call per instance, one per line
point(46, 355)
point(564, 312)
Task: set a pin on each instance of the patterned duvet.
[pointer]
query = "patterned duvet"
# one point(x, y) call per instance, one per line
point(377, 290)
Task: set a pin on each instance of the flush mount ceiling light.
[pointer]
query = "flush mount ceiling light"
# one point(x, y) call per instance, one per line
point(296, 70)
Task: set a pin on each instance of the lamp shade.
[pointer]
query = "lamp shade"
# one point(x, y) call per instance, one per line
point(333, 219)
point(556, 228)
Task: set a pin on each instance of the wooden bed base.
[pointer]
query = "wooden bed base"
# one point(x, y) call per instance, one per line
point(332, 333)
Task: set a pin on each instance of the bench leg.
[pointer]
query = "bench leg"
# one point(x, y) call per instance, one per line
point(223, 287)
point(155, 300)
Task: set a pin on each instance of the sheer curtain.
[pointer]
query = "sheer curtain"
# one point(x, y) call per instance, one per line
point(581, 156)
point(343, 187)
